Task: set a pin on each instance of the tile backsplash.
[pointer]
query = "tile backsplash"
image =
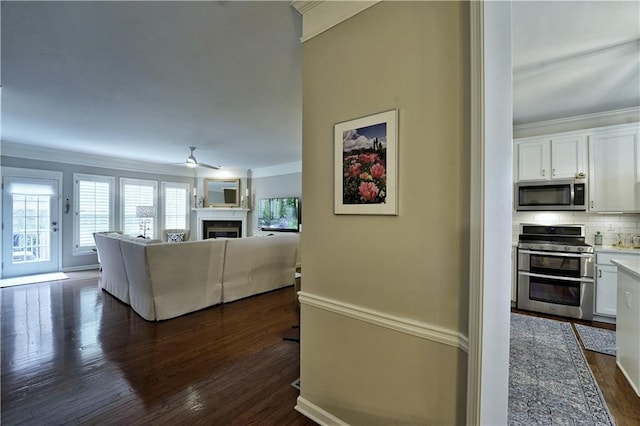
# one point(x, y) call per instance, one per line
point(623, 224)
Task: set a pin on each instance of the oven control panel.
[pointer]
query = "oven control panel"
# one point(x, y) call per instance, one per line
point(587, 249)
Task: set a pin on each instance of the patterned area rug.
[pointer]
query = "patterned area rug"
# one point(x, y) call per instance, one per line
point(597, 339)
point(549, 379)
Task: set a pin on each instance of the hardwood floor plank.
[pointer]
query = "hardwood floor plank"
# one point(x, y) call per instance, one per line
point(73, 354)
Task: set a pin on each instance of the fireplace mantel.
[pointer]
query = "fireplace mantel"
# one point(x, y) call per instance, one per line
point(220, 213)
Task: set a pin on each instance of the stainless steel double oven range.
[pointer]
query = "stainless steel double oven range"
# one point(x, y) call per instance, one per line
point(555, 271)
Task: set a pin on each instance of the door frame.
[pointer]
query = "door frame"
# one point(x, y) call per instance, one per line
point(38, 174)
point(491, 156)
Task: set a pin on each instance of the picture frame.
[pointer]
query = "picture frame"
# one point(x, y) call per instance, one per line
point(366, 165)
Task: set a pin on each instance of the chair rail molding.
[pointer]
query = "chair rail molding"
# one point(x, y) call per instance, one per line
point(319, 16)
point(412, 327)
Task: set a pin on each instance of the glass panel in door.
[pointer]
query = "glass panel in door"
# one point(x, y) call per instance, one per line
point(30, 233)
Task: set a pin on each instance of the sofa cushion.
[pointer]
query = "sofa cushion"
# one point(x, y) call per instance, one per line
point(140, 239)
point(175, 237)
point(186, 233)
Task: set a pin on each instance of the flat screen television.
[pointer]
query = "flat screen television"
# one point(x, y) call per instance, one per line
point(279, 214)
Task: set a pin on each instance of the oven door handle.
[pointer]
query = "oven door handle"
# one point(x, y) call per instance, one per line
point(555, 253)
point(556, 277)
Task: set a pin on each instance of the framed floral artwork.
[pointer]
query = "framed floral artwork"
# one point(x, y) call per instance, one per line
point(366, 165)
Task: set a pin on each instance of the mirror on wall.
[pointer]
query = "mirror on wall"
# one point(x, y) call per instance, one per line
point(221, 192)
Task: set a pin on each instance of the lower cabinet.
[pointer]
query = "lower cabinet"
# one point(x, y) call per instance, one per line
point(607, 281)
point(514, 274)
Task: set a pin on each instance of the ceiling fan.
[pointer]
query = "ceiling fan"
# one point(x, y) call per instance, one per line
point(192, 162)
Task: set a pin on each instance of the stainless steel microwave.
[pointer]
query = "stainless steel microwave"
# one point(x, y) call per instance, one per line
point(559, 194)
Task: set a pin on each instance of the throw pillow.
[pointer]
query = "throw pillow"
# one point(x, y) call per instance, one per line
point(175, 237)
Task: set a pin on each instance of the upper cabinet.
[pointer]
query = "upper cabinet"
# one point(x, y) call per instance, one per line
point(532, 160)
point(568, 157)
point(550, 158)
point(609, 157)
point(614, 171)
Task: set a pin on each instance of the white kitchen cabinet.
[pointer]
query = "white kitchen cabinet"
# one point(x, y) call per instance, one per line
point(550, 158)
point(532, 159)
point(568, 157)
point(628, 323)
point(607, 280)
point(606, 283)
point(614, 171)
point(514, 274)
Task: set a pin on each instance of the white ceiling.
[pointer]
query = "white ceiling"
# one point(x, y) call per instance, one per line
point(574, 58)
point(145, 80)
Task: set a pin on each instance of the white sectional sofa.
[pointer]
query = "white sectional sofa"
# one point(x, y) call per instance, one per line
point(114, 276)
point(165, 280)
point(258, 264)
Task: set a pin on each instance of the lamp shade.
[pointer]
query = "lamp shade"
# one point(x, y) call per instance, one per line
point(145, 211)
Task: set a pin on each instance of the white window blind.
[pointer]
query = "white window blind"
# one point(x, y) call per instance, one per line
point(93, 209)
point(134, 193)
point(175, 205)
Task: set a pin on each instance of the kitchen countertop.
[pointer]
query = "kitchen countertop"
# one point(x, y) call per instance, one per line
point(630, 266)
point(616, 249)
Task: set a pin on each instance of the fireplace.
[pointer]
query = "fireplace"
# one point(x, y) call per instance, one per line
point(233, 220)
point(221, 229)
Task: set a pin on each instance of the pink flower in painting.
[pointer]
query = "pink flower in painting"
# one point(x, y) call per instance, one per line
point(354, 170)
point(377, 170)
point(368, 191)
point(365, 176)
point(368, 158)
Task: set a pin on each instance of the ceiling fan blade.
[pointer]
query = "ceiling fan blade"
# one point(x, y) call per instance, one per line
point(209, 166)
point(193, 162)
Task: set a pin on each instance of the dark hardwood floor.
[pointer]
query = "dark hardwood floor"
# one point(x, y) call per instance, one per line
point(621, 399)
point(72, 354)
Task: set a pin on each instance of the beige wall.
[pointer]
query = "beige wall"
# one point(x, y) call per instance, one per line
point(406, 269)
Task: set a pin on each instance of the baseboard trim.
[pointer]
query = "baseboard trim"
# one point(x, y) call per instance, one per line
point(626, 376)
point(81, 268)
point(317, 414)
point(412, 327)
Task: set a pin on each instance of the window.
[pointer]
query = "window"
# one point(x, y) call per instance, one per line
point(93, 207)
point(176, 205)
point(139, 216)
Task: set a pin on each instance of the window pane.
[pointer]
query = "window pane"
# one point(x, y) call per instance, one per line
point(134, 195)
point(30, 233)
point(175, 207)
point(94, 209)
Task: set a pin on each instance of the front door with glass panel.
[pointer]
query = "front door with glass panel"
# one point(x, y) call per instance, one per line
point(30, 235)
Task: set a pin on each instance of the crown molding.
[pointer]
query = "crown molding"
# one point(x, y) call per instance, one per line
point(319, 16)
point(281, 169)
point(32, 152)
point(580, 122)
